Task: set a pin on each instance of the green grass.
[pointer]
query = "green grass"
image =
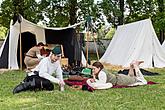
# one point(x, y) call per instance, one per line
point(149, 97)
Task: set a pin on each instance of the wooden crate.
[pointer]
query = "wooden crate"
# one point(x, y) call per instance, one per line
point(64, 61)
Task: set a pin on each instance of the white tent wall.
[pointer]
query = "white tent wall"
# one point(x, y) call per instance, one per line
point(135, 41)
point(13, 41)
point(26, 26)
point(3, 44)
point(163, 45)
point(83, 60)
point(159, 54)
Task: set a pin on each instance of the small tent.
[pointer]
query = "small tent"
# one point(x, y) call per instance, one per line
point(135, 41)
point(31, 34)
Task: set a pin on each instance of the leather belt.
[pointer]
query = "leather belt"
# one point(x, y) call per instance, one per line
point(30, 56)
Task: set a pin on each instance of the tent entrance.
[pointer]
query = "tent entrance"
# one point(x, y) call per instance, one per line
point(28, 41)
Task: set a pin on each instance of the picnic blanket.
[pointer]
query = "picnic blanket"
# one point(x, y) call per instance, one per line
point(85, 86)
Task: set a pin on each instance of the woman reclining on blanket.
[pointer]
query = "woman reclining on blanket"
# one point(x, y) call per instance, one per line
point(103, 80)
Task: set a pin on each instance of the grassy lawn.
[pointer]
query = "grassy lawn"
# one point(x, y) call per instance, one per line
point(149, 97)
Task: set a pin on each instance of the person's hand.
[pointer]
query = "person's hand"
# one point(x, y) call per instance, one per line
point(61, 83)
point(92, 80)
point(90, 66)
point(44, 55)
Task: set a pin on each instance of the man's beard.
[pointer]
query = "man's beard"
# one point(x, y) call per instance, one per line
point(52, 61)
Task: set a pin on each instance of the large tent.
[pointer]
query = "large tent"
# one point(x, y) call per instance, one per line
point(135, 41)
point(163, 44)
point(31, 34)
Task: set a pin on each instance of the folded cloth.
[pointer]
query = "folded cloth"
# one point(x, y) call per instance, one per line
point(76, 78)
point(75, 82)
point(81, 83)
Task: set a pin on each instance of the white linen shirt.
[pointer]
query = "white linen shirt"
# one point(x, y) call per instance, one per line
point(47, 69)
point(102, 77)
point(100, 83)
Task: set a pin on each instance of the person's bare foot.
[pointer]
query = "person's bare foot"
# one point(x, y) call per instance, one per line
point(131, 65)
point(137, 63)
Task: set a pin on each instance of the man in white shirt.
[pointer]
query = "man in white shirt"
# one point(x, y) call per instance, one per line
point(48, 71)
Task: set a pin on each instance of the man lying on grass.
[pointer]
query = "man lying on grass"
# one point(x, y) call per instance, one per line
point(42, 76)
point(103, 80)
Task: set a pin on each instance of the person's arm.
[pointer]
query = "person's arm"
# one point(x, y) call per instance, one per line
point(43, 72)
point(102, 77)
point(38, 53)
point(40, 57)
point(59, 74)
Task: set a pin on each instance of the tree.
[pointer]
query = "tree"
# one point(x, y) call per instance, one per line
point(64, 12)
point(121, 17)
point(27, 8)
point(111, 10)
point(160, 21)
point(57, 13)
point(73, 7)
point(143, 9)
point(2, 32)
point(140, 9)
point(6, 13)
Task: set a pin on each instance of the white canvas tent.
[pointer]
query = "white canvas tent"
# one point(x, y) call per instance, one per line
point(135, 41)
point(31, 34)
point(163, 45)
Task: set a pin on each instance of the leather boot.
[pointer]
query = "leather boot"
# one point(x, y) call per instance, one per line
point(24, 86)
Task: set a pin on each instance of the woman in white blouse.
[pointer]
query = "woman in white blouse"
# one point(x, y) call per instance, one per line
point(104, 80)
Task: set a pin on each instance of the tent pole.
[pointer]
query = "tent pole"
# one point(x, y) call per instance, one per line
point(87, 49)
point(97, 53)
point(62, 50)
point(20, 48)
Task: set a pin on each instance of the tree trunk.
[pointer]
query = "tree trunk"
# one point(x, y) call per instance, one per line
point(161, 36)
point(121, 18)
point(72, 11)
point(18, 7)
point(161, 10)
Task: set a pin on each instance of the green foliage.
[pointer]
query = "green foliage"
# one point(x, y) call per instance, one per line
point(111, 10)
point(3, 31)
point(106, 33)
point(60, 13)
point(141, 9)
point(6, 13)
point(55, 11)
point(159, 21)
point(27, 8)
point(149, 97)
point(32, 12)
point(110, 33)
